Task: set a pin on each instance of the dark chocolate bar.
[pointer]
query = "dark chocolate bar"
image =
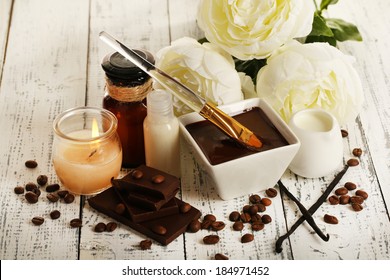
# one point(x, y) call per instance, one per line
point(138, 214)
point(175, 224)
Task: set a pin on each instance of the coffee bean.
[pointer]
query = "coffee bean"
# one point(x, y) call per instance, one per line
point(234, 216)
point(344, 199)
point(37, 191)
point(255, 218)
point(76, 223)
point(69, 198)
point(334, 200)
point(344, 133)
point(37, 221)
point(185, 207)
point(211, 239)
point(31, 197)
point(209, 217)
point(341, 191)
point(52, 197)
point(271, 192)
point(238, 225)
point(220, 257)
point(158, 179)
point(245, 208)
point(357, 207)
point(266, 219)
point(62, 193)
point(357, 199)
point(31, 186)
point(111, 226)
point(330, 219)
point(55, 214)
point(194, 226)
point(31, 164)
point(353, 162)
point(245, 217)
point(350, 186)
point(42, 180)
point(261, 207)
point(120, 208)
point(248, 237)
point(137, 174)
point(256, 226)
point(266, 201)
point(159, 229)
point(357, 152)
point(145, 244)
point(19, 190)
point(217, 225)
point(254, 198)
point(253, 210)
point(206, 224)
point(100, 227)
point(362, 194)
point(52, 188)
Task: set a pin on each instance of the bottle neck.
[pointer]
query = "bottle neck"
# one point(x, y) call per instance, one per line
point(159, 104)
point(128, 94)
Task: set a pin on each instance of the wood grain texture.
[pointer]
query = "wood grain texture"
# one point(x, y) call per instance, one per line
point(44, 74)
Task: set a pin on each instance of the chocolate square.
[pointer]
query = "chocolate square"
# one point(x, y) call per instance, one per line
point(175, 224)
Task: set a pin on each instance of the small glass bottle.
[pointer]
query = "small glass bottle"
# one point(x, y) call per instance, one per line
point(161, 134)
point(125, 95)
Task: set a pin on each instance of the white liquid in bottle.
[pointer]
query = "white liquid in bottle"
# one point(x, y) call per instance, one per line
point(161, 134)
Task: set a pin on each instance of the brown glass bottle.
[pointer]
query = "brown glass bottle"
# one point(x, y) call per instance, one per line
point(125, 96)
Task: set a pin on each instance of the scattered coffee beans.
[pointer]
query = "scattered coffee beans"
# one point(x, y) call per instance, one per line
point(52, 197)
point(254, 198)
point(37, 221)
point(30, 187)
point(206, 224)
point(253, 209)
point(330, 219)
point(31, 197)
point(62, 193)
point(238, 225)
point(255, 218)
point(159, 229)
point(185, 207)
point(362, 194)
point(120, 208)
point(210, 217)
point(137, 174)
point(42, 180)
point(344, 133)
point(111, 226)
point(353, 162)
point(145, 244)
point(248, 237)
point(357, 199)
point(194, 226)
point(256, 226)
point(357, 152)
point(245, 217)
point(100, 227)
point(211, 239)
point(76, 223)
point(52, 188)
point(344, 199)
point(158, 179)
point(69, 198)
point(334, 200)
point(31, 164)
point(220, 257)
point(266, 201)
point(266, 219)
point(19, 190)
point(234, 216)
point(341, 191)
point(271, 192)
point(217, 225)
point(55, 214)
point(350, 186)
point(357, 207)
point(261, 207)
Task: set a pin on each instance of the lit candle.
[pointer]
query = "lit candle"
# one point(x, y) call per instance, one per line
point(86, 151)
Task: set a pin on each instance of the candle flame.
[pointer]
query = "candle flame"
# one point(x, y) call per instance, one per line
point(95, 128)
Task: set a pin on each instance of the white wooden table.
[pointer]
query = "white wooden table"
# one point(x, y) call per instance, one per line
point(50, 58)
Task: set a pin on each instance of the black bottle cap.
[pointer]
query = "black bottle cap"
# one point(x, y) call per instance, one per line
point(117, 67)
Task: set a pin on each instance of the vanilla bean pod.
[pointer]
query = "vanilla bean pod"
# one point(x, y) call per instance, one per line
point(304, 212)
point(312, 209)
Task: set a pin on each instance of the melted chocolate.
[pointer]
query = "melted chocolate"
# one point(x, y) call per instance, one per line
point(219, 148)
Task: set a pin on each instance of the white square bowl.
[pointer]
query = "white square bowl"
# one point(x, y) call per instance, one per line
point(252, 173)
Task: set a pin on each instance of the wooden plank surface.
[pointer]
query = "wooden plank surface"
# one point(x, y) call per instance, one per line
point(45, 73)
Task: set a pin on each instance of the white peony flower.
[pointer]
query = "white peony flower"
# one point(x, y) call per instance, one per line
point(316, 75)
point(247, 86)
point(250, 29)
point(203, 69)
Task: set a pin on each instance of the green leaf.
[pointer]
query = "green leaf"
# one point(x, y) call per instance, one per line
point(250, 67)
point(325, 3)
point(320, 28)
point(323, 39)
point(203, 40)
point(343, 30)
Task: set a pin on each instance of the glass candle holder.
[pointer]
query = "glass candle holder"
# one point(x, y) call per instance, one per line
point(87, 152)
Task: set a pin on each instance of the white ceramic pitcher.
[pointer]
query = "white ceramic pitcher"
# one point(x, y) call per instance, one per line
point(321, 150)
